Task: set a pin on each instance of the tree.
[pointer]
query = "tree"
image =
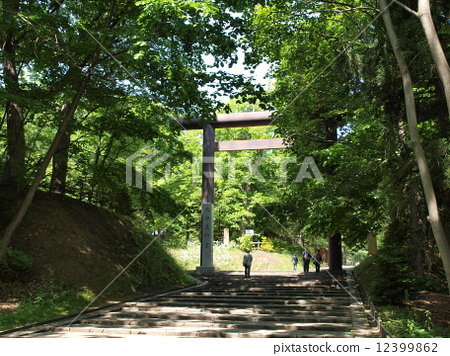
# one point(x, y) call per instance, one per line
point(339, 100)
point(427, 184)
point(319, 95)
point(14, 170)
point(152, 50)
point(442, 66)
point(10, 229)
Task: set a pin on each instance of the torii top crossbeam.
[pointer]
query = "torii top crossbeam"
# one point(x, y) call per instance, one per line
point(260, 118)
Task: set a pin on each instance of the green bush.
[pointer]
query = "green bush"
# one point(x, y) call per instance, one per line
point(19, 259)
point(267, 244)
point(404, 322)
point(16, 263)
point(435, 283)
point(283, 246)
point(388, 279)
point(359, 256)
point(245, 242)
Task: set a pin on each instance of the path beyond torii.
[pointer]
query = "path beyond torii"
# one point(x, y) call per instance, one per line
point(210, 146)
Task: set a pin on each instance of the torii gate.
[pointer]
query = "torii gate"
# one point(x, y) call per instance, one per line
point(210, 146)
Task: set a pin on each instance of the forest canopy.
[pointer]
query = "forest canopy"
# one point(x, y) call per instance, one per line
point(84, 86)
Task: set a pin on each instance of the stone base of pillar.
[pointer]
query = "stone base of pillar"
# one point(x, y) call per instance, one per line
point(206, 270)
point(337, 272)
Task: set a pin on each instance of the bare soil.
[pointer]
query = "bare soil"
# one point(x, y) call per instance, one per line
point(73, 245)
point(438, 304)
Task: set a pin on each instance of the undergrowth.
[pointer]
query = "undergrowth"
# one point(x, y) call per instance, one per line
point(389, 282)
point(45, 306)
point(404, 322)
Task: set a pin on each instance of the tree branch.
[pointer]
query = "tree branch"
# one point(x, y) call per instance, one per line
point(406, 8)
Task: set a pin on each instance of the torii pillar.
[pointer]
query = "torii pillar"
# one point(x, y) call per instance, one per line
point(206, 253)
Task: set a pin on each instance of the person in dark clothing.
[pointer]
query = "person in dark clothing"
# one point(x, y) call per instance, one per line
point(306, 257)
point(317, 260)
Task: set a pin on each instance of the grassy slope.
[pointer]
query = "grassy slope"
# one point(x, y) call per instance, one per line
point(76, 251)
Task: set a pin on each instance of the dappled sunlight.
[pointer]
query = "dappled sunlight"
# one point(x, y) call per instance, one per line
point(227, 305)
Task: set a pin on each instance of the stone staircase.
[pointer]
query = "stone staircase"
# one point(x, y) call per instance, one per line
point(227, 305)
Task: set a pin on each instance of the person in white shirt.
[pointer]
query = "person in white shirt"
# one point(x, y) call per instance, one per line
point(247, 262)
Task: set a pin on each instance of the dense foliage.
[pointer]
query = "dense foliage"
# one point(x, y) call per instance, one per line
point(340, 100)
point(120, 72)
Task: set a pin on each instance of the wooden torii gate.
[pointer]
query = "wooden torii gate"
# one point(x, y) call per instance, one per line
point(210, 146)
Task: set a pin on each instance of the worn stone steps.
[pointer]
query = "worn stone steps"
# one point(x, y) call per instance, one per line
point(226, 305)
point(250, 317)
point(216, 324)
point(249, 309)
point(268, 294)
point(90, 332)
point(238, 298)
point(302, 305)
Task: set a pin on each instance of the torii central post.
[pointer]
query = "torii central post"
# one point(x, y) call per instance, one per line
point(210, 146)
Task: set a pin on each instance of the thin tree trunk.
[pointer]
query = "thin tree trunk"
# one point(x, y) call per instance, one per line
point(95, 169)
point(99, 166)
point(434, 43)
point(417, 246)
point(11, 228)
point(416, 243)
point(15, 163)
point(60, 162)
point(427, 184)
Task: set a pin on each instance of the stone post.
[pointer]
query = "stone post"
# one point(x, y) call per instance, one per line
point(206, 253)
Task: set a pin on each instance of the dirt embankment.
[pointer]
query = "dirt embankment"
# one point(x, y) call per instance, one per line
point(76, 245)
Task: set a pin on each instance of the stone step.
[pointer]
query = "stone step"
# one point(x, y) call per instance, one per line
point(299, 305)
point(234, 311)
point(91, 331)
point(269, 294)
point(289, 318)
point(274, 293)
point(261, 287)
point(236, 299)
point(221, 325)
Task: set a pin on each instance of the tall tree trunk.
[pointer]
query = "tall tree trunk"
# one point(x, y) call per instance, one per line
point(427, 184)
point(442, 66)
point(95, 170)
point(417, 243)
point(434, 43)
point(441, 110)
point(60, 161)
point(61, 157)
point(15, 163)
point(11, 228)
